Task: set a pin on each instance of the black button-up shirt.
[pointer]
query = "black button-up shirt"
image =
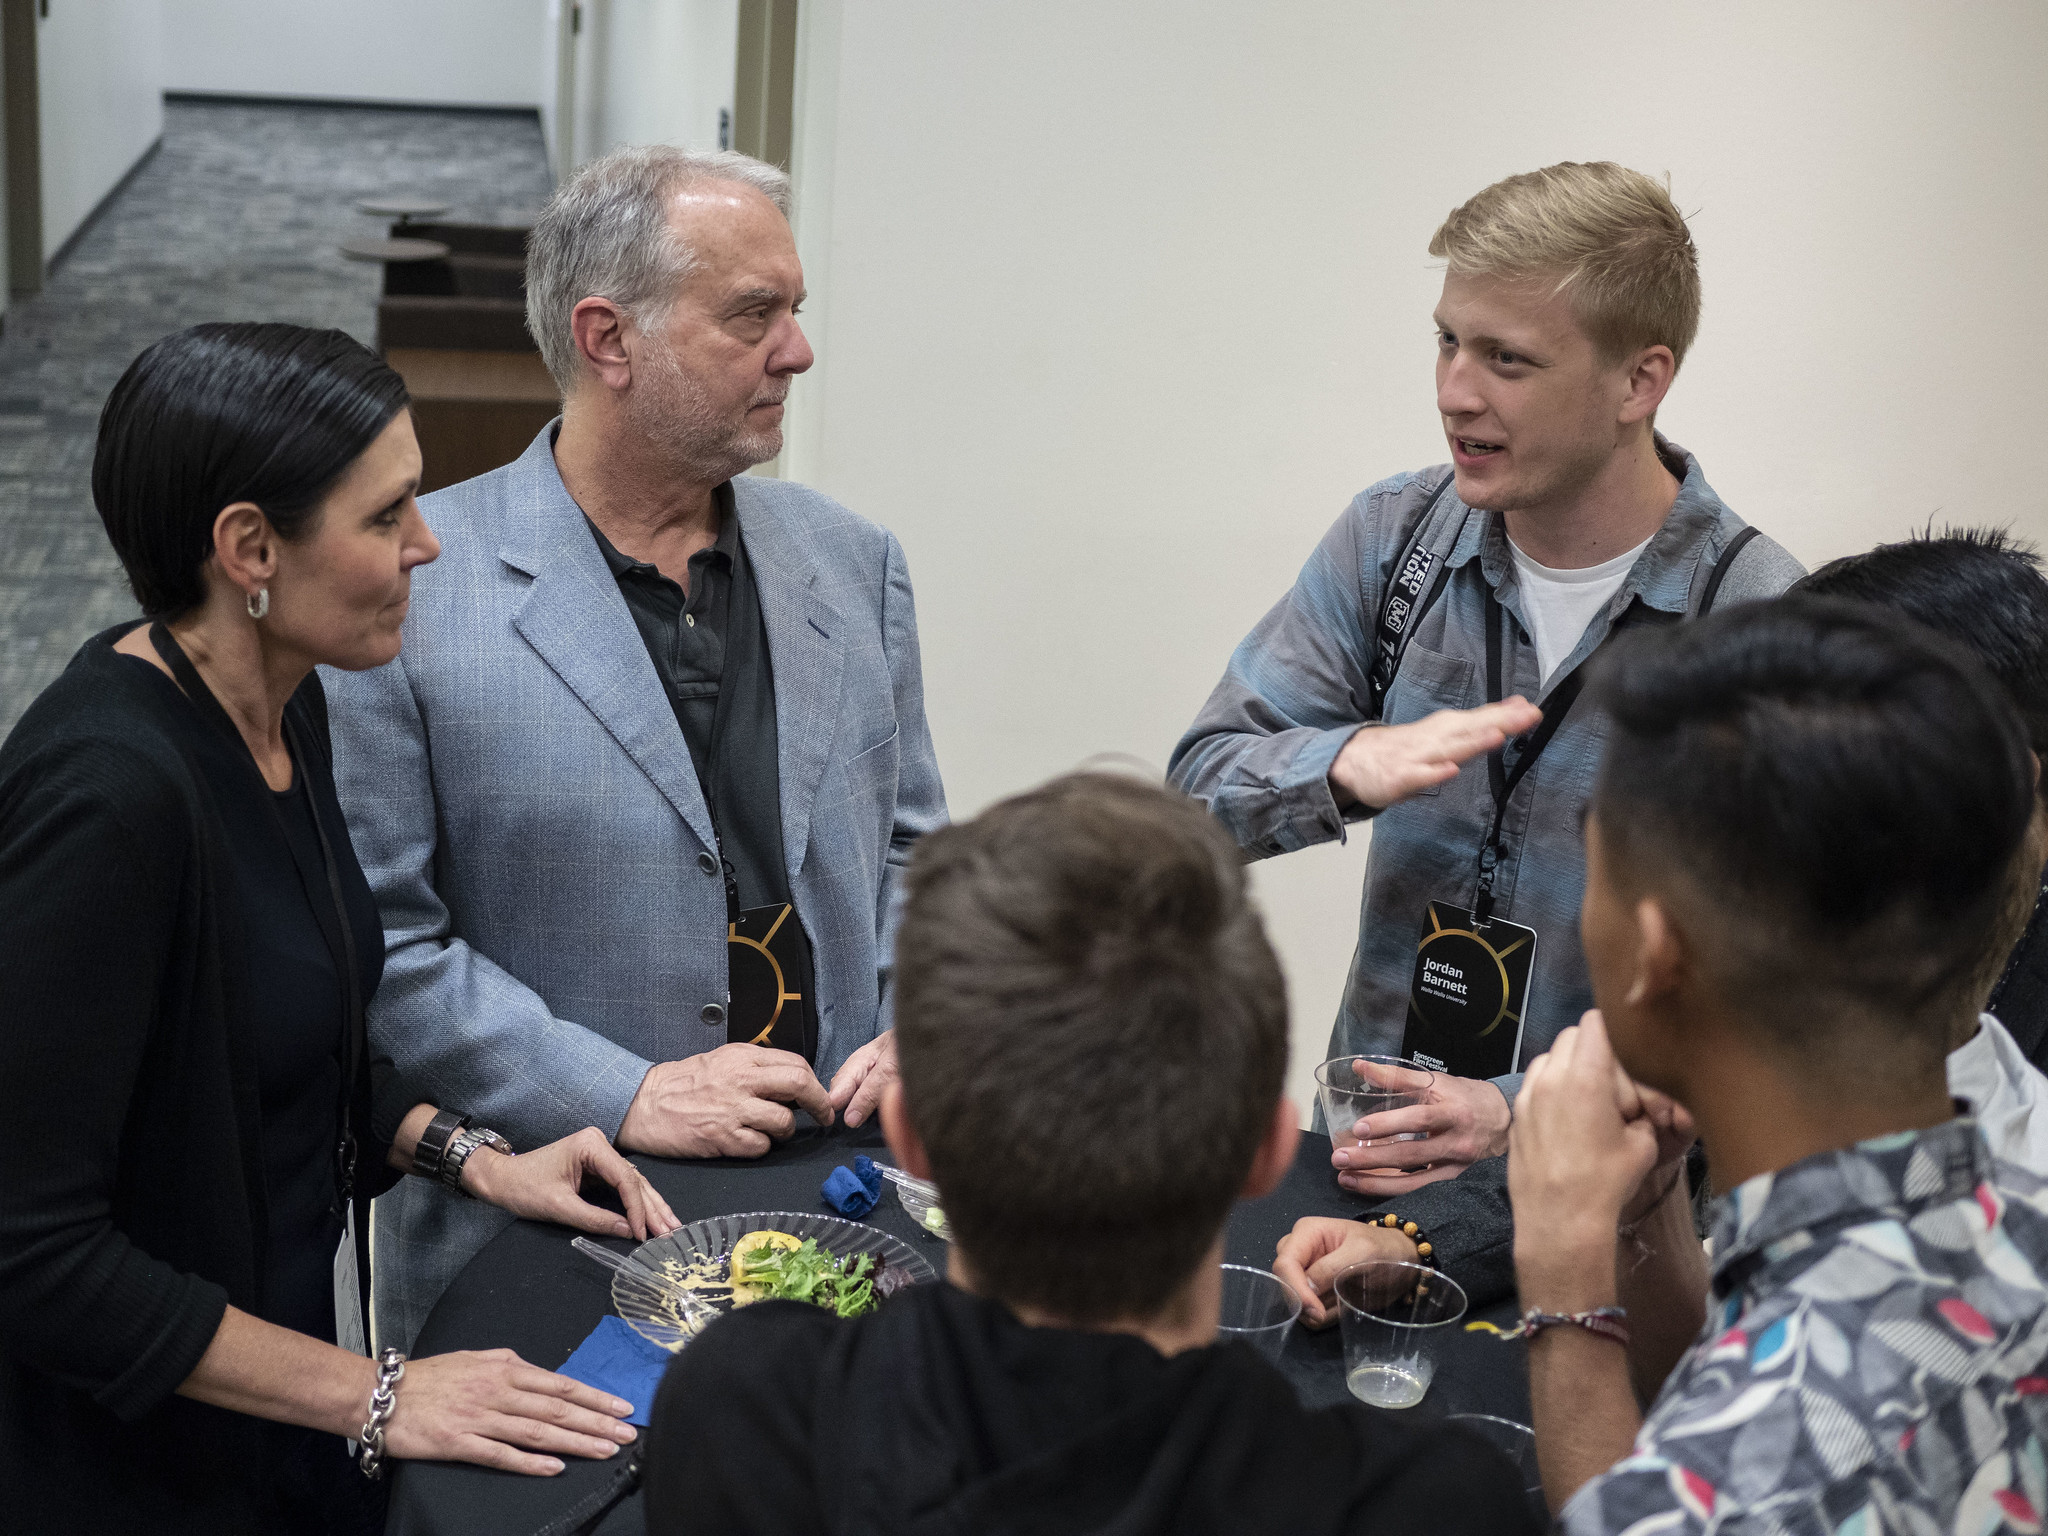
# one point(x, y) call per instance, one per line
point(710, 652)
point(685, 634)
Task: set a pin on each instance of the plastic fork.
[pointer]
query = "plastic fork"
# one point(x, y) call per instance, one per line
point(696, 1311)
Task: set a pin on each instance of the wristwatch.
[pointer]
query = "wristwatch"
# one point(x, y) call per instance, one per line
point(464, 1142)
point(433, 1143)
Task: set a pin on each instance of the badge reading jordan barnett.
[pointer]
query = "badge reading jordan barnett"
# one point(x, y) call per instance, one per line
point(1470, 989)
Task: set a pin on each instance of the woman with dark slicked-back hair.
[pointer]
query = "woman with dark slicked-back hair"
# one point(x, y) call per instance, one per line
point(191, 1124)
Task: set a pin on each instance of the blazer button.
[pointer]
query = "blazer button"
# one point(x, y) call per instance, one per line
point(707, 863)
point(713, 1014)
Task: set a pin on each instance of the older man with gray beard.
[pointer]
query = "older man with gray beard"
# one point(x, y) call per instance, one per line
point(636, 796)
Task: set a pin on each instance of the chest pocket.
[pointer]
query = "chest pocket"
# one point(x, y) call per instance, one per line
point(1427, 682)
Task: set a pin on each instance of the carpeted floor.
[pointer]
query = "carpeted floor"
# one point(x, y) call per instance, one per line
point(236, 217)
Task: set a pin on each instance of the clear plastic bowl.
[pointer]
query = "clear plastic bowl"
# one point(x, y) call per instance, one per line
point(921, 1200)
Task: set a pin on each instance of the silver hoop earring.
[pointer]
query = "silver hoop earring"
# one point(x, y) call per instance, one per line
point(259, 603)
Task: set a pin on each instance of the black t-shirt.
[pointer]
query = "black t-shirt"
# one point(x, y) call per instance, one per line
point(294, 991)
point(943, 1413)
point(297, 993)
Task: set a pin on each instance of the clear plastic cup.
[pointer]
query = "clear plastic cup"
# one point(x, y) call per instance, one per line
point(1352, 1087)
point(1515, 1441)
point(1259, 1308)
point(1397, 1319)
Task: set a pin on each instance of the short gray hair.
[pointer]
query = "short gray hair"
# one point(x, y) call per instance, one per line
point(606, 234)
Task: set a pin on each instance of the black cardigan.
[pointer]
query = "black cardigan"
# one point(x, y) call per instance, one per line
point(131, 1170)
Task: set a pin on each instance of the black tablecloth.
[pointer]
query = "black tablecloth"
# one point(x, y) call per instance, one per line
point(530, 1291)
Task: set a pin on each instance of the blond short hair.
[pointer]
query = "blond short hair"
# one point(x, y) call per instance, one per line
point(1610, 236)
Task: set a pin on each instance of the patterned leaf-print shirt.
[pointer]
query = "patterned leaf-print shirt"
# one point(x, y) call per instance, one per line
point(1875, 1357)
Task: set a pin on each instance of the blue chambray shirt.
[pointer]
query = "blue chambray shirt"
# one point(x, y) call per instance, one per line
point(1299, 686)
point(1872, 1361)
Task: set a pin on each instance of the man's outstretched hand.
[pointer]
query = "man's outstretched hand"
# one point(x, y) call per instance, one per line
point(1382, 765)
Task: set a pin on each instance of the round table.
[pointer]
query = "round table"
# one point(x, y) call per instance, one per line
point(395, 249)
point(403, 209)
point(530, 1291)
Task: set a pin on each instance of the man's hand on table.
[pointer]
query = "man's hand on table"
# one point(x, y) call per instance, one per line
point(546, 1185)
point(857, 1086)
point(734, 1101)
point(1382, 765)
point(1464, 1120)
point(1320, 1248)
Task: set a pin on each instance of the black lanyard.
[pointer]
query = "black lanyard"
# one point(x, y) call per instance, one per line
point(343, 954)
point(1502, 778)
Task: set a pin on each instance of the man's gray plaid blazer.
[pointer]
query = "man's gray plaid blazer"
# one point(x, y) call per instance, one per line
point(526, 809)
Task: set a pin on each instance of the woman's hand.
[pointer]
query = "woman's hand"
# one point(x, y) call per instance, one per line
point(546, 1184)
point(1320, 1248)
point(492, 1408)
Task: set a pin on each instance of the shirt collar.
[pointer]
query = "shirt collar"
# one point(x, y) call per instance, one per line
point(1662, 575)
point(1889, 1178)
point(724, 549)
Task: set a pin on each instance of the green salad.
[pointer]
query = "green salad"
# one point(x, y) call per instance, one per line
point(808, 1273)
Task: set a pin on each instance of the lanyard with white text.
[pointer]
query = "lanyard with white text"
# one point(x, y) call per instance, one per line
point(1502, 778)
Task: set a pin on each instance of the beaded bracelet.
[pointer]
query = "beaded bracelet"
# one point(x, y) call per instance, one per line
point(1407, 1229)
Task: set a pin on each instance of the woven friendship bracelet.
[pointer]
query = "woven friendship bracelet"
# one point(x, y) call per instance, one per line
point(1608, 1322)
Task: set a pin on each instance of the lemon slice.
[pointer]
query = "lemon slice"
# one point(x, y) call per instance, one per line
point(752, 1243)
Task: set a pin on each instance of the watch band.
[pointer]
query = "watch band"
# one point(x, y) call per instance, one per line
point(433, 1142)
point(466, 1141)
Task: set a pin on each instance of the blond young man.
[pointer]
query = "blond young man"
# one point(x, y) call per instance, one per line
point(1436, 608)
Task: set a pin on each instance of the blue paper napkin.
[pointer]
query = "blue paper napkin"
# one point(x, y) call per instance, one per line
point(854, 1191)
point(615, 1359)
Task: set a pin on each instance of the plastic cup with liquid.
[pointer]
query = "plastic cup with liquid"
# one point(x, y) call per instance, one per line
point(1352, 1087)
point(1397, 1322)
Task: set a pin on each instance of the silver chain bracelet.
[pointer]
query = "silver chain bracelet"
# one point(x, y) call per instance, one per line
point(390, 1369)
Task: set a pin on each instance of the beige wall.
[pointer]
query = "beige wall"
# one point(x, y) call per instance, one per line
point(430, 52)
point(1117, 305)
point(650, 72)
point(99, 78)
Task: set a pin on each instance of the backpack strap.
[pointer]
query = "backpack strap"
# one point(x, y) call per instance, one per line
point(1722, 566)
point(1417, 579)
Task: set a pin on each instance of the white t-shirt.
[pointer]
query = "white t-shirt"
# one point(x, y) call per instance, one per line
point(2006, 1092)
point(1560, 604)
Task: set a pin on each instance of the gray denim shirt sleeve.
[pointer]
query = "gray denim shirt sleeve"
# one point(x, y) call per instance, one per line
point(1296, 690)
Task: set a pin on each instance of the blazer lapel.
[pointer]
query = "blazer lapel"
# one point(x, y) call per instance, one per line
point(807, 656)
point(574, 617)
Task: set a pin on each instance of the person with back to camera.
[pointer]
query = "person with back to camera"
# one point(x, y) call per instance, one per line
point(1798, 850)
point(1093, 1033)
point(636, 798)
point(1394, 680)
point(1985, 592)
point(191, 1124)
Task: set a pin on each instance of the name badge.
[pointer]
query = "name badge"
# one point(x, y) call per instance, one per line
point(761, 971)
point(1470, 991)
